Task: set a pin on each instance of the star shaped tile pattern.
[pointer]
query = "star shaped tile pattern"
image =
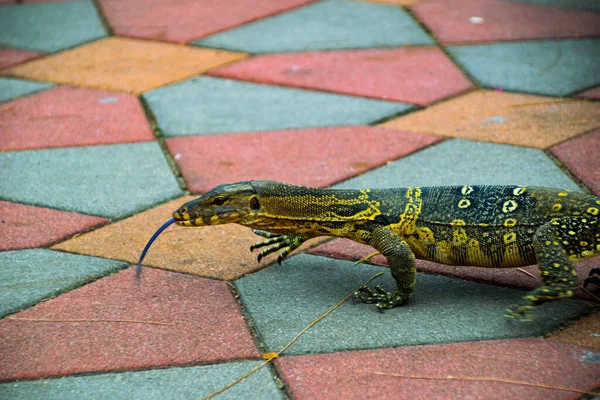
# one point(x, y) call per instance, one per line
point(499, 117)
point(331, 24)
point(164, 20)
point(11, 88)
point(10, 57)
point(122, 64)
point(418, 75)
point(472, 21)
point(64, 117)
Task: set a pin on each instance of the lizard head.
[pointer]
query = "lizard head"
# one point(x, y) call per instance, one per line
point(236, 202)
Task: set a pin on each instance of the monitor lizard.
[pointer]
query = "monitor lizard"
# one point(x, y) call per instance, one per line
point(481, 226)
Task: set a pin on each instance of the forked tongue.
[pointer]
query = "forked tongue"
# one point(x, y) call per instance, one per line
point(138, 269)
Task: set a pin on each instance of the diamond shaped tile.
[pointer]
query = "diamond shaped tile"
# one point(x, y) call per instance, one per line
point(459, 162)
point(331, 24)
point(10, 57)
point(554, 68)
point(10, 88)
point(580, 4)
point(158, 384)
point(128, 65)
point(111, 181)
point(534, 361)
point(196, 251)
point(204, 325)
point(580, 156)
point(418, 75)
point(23, 226)
point(584, 333)
point(181, 22)
point(206, 105)
point(343, 152)
point(28, 276)
point(504, 118)
point(593, 93)
point(62, 117)
point(283, 299)
point(50, 27)
point(467, 21)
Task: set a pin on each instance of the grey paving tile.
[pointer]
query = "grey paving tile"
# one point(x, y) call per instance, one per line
point(333, 24)
point(171, 383)
point(581, 4)
point(206, 105)
point(10, 87)
point(110, 181)
point(50, 27)
point(282, 300)
point(460, 162)
point(28, 276)
point(547, 67)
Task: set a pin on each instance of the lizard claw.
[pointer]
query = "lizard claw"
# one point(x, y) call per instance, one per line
point(275, 243)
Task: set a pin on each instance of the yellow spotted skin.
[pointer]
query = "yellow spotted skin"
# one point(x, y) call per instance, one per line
point(481, 226)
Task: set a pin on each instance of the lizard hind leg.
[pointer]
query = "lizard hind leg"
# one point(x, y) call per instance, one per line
point(276, 242)
point(557, 273)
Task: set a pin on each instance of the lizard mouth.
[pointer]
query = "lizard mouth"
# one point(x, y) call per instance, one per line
point(190, 222)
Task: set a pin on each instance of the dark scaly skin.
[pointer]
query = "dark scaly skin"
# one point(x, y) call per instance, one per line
point(482, 226)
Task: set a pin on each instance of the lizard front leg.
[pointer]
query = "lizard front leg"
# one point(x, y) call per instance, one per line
point(278, 242)
point(401, 261)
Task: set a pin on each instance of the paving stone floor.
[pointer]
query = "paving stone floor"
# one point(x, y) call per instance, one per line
point(114, 113)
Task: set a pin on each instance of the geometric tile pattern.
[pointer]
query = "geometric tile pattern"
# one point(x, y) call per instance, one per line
point(172, 383)
point(580, 155)
point(555, 68)
point(330, 24)
point(64, 117)
point(185, 305)
point(181, 23)
point(207, 105)
point(50, 27)
point(25, 226)
point(344, 153)
point(275, 299)
point(192, 251)
point(466, 161)
point(10, 88)
point(515, 360)
point(122, 64)
point(156, 101)
point(29, 276)
point(472, 21)
point(76, 179)
point(10, 57)
point(493, 116)
point(388, 74)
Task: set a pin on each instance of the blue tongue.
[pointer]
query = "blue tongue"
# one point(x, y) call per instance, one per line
point(138, 269)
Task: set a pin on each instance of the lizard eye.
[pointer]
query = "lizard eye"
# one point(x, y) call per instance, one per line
point(219, 201)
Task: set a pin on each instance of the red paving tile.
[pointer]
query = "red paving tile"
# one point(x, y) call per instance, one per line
point(63, 116)
point(453, 21)
point(335, 376)
point(23, 227)
point(418, 75)
point(593, 93)
point(290, 155)
point(207, 326)
point(185, 21)
point(10, 57)
point(510, 277)
point(580, 156)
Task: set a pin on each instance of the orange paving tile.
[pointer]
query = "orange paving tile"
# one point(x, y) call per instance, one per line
point(220, 252)
point(129, 65)
point(511, 118)
point(585, 332)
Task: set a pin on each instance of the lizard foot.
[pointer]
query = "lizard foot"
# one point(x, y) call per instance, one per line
point(521, 313)
point(383, 298)
point(275, 243)
point(593, 278)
